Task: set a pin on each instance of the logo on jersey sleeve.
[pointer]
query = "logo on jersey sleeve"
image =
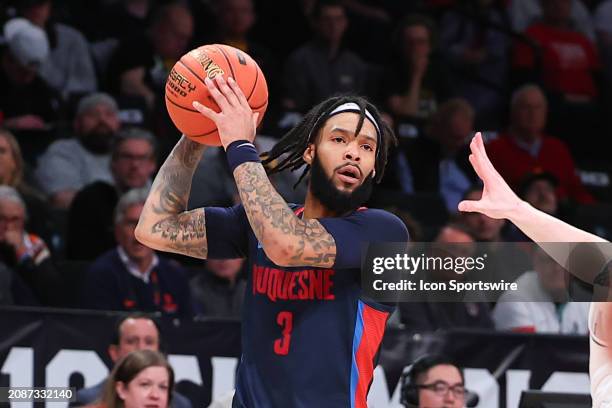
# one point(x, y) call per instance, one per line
point(308, 284)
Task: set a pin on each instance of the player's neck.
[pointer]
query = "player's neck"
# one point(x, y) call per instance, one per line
point(313, 208)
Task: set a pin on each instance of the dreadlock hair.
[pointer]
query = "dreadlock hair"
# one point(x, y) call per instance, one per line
point(295, 142)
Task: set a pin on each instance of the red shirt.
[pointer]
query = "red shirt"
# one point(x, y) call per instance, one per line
point(568, 59)
point(514, 163)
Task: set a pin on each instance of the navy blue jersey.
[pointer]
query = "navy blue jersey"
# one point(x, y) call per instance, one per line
point(308, 337)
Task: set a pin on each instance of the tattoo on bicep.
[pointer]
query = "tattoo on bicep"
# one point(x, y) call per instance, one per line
point(266, 208)
point(185, 232)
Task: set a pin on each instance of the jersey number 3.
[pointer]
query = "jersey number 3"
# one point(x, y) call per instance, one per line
point(285, 321)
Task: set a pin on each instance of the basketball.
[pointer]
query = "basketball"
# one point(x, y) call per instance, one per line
point(185, 85)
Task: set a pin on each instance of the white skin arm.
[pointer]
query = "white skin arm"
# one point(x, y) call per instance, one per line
point(499, 201)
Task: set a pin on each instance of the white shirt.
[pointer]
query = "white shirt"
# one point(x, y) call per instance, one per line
point(133, 268)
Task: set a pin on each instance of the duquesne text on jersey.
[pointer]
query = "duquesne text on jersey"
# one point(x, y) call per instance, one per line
point(308, 284)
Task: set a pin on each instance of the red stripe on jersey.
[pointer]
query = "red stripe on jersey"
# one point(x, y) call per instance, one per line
point(374, 322)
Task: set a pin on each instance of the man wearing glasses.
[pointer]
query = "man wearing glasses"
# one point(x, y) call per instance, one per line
point(433, 381)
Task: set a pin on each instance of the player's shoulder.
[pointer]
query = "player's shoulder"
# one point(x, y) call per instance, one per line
point(383, 220)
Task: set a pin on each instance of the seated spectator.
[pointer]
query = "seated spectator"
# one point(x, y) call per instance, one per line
point(438, 162)
point(70, 164)
point(524, 13)
point(542, 305)
point(132, 164)
point(525, 148)
point(69, 68)
point(27, 103)
point(436, 315)
point(323, 67)
point(26, 254)
point(140, 65)
point(567, 64)
point(433, 381)
point(143, 378)
point(132, 277)
point(218, 291)
point(133, 332)
point(505, 260)
point(13, 174)
point(417, 82)
point(473, 38)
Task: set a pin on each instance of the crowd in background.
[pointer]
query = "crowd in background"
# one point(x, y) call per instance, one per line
point(83, 129)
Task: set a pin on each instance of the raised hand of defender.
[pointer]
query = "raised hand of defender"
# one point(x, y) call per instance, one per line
point(498, 200)
point(236, 121)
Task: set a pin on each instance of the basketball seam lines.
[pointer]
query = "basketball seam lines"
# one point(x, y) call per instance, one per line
point(181, 106)
point(193, 72)
point(254, 83)
point(229, 64)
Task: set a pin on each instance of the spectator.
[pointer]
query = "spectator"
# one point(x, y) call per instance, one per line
point(140, 65)
point(132, 332)
point(131, 276)
point(542, 305)
point(143, 378)
point(435, 315)
point(433, 381)
point(439, 162)
point(69, 68)
point(26, 101)
point(70, 164)
point(323, 67)
point(475, 40)
point(568, 66)
point(603, 28)
point(524, 13)
point(132, 164)
point(13, 174)
point(219, 290)
point(416, 83)
point(525, 148)
point(27, 254)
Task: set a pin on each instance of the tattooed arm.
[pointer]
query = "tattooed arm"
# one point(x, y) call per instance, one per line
point(286, 239)
point(165, 224)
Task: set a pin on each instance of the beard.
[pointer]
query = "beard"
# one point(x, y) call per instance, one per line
point(340, 202)
point(98, 140)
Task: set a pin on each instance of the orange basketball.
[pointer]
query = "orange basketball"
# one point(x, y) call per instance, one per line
point(185, 84)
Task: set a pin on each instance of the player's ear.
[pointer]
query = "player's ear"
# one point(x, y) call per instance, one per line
point(309, 153)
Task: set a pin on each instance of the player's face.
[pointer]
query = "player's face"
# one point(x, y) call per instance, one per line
point(445, 391)
point(124, 234)
point(133, 163)
point(149, 389)
point(135, 334)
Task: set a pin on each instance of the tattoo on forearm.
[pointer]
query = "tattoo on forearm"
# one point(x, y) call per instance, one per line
point(186, 232)
point(267, 211)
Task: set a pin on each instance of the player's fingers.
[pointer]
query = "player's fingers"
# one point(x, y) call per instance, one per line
point(470, 206)
point(238, 92)
point(214, 91)
point(209, 113)
point(226, 91)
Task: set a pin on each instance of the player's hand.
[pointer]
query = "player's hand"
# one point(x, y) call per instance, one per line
point(236, 121)
point(498, 200)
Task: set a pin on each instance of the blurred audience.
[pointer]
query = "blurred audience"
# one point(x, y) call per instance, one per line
point(133, 332)
point(132, 165)
point(218, 291)
point(542, 304)
point(69, 67)
point(70, 164)
point(525, 148)
point(524, 13)
point(323, 67)
point(438, 315)
point(27, 102)
point(132, 277)
point(416, 81)
point(474, 38)
point(140, 65)
point(25, 253)
point(438, 162)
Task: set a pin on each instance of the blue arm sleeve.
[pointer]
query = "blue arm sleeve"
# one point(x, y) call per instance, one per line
point(227, 232)
point(362, 226)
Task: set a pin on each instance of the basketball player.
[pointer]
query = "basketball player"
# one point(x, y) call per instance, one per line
point(499, 201)
point(309, 338)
